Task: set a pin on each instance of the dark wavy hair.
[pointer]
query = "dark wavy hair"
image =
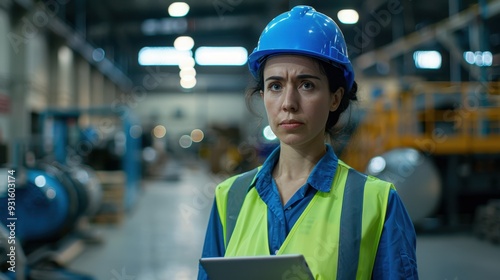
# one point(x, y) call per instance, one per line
point(336, 80)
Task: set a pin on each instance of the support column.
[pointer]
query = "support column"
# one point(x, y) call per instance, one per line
point(97, 88)
point(83, 87)
point(65, 79)
point(62, 81)
point(455, 75)
point(19, 121)
point(5, 96)
point(109, 92)
point(37, 76)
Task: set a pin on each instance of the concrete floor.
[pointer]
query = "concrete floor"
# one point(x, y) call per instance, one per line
point(163, 235)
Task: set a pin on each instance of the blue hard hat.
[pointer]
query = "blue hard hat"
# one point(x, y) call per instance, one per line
point(304, 31)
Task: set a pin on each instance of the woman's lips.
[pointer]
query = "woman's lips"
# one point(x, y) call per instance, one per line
point(290, 124)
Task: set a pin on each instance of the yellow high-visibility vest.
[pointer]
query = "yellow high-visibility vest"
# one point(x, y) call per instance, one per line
point(338, 233)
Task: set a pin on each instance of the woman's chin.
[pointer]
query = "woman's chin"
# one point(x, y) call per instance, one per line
point(300, 140)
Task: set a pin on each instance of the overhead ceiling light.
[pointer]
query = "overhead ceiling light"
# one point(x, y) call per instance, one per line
point(186, 62)
point(427, 59)
point(348, 16)
point(184, 43)
point(188, 82)
point(221, 56)
point(162, 56)
point(481, 59)
point(470, 57)
point(187, 72)
point(178, 9)
point(487, 58)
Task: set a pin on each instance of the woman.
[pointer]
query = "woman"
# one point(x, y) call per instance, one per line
point(304, 199)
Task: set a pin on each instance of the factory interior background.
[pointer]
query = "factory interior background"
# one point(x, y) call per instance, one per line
point(119, 118)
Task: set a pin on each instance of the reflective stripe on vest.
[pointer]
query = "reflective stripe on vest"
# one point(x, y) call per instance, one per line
point(350, 225)
point(338, 232)
point(235, 197)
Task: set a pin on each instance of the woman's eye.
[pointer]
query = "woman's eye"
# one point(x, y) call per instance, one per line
point(274, 87)
point(307, 85)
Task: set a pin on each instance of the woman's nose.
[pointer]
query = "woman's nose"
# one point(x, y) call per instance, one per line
point(290, 99)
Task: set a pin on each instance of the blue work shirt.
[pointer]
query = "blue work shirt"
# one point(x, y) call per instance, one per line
point(396, 256)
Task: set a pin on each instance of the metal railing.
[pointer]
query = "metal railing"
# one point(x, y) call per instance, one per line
point(433, 117)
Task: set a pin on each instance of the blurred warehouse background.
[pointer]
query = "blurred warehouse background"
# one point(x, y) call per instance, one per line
point(118, 118)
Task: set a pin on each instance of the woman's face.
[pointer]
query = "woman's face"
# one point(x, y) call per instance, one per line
point(297, 99)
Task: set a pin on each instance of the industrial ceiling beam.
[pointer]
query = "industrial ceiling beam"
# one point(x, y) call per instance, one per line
point(38, 16)
point(409, 42)
point(450, 42)
point(173, 26)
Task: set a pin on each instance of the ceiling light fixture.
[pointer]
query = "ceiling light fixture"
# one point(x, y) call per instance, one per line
point(178, 9)
point(188, 82)
point(162, 56)
point(186, 62)
point(183, 43)
point(186, 72)
point(481, 59)
point(427, 59)
point(223, 56)
point(348, 16)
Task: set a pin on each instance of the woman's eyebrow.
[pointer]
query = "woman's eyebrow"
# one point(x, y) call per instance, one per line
point(301, 76)
point(276, 78)
point(308, 76)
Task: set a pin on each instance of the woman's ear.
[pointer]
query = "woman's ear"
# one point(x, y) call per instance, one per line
point(336, 98)
point(261, 93)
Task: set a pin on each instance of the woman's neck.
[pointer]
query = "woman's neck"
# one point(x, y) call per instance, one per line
point(297, 164)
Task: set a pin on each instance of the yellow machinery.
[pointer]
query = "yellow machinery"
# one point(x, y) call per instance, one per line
point(455, 126)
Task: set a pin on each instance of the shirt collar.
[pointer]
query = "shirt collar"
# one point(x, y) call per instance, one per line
point(321, 177)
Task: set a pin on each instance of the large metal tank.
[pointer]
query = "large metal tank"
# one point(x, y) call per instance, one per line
point(87, 178)
point(416, 179)
point(45, 207)
point(51, 200)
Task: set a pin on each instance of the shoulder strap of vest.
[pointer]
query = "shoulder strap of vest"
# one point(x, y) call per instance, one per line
point(235, 197)
point(350, 225)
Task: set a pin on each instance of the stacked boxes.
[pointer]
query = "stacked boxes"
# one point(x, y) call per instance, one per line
point(112, 208)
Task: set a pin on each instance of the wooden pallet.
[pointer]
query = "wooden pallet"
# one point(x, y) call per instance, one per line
point(116, 218)
point(112, 209)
